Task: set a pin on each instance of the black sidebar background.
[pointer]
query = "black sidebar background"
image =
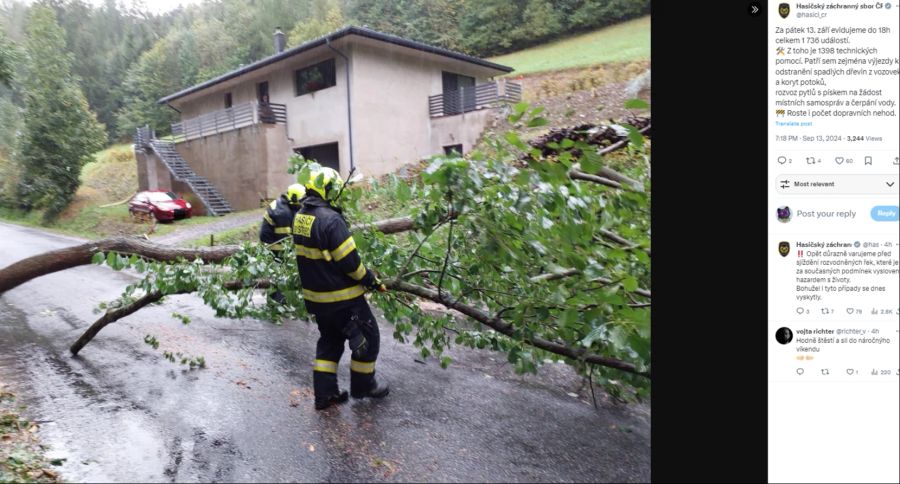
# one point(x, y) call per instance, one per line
point(709, 98)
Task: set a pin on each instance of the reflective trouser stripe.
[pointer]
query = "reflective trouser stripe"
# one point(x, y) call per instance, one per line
point(268, 219)
point(359, 273)
point(282, 230)
point(312, 253)
point(334, 296)
point(344, 249)
point(362, 367)
point(325, 366)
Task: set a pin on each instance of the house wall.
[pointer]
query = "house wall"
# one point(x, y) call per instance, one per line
point(390, 86)
point(391, 123)
point(153, 175)
point(312, 119)
point(464, 129)
point(238, 163)
point(141, 159)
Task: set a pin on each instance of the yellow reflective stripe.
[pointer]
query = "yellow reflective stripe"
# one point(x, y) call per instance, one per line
point(268, 219)
point(325, 366)
point(312, 252)
point(344, 249)
point(359, 273)
point(334, 296)
point(276, 246)
point(282, 230)
point(362, 367)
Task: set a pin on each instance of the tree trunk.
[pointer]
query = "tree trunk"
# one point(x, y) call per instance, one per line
point(57, 260)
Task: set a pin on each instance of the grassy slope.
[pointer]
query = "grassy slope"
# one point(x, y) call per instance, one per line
point(111, 178)
point(627, 41)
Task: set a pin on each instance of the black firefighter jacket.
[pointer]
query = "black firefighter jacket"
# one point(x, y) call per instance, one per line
point(331, 272)
point(276, 224)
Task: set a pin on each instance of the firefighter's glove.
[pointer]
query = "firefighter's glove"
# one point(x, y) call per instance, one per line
point(376, 284)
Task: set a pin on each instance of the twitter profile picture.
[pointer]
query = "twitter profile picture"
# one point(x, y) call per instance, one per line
point(784, 335)
point(784, 214)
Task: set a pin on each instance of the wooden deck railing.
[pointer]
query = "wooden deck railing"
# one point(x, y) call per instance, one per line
point(471, 98)
point(229, 119)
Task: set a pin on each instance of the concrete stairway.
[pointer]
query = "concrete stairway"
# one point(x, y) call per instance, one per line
point(213, 200)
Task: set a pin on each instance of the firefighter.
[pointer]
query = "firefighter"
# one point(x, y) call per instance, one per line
point(275, 230)
point(334, 282)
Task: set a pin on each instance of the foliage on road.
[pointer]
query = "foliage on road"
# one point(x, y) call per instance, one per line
point(21, 455)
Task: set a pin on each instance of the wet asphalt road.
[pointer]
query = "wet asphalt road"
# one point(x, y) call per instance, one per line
point(120, 412)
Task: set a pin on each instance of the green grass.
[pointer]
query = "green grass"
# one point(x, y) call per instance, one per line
point(237, 235)
point(111, 178)
point(92, 222)
point(627, 41)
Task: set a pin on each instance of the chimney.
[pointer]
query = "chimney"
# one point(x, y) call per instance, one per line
point(279, 40)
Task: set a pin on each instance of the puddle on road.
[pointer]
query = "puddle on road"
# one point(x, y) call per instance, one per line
point(102, 436)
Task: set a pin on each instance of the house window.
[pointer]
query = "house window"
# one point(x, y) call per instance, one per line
point(325, 155)
point(313, 78)
point(227, 100)
point(459, 93)
point(451, 149)
point(262, 92)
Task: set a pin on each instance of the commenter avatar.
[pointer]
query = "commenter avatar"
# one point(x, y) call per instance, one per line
point(784, 335)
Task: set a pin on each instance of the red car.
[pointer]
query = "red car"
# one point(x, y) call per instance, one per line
point(161, 204)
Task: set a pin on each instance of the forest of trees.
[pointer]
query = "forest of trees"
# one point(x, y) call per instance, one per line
point(121, 58)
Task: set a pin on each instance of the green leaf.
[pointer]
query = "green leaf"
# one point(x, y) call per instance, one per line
point(591, 162)
point(537, 122)
point(514, 140)
point(634, 136)
point(567, 143)
point(636, 104)
point(445, 361)
point(630, 284)
point(594, 335)
point(98, 258)
point(403, 192)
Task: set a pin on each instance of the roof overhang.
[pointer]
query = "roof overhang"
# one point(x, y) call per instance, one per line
point(312, 44)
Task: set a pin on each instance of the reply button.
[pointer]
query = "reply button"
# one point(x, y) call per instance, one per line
point(885, 213)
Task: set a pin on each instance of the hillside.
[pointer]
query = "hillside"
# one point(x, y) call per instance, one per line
point(625, 42)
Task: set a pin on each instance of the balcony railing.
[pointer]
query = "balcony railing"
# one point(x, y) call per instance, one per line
point(471, 98)
point(229, 119)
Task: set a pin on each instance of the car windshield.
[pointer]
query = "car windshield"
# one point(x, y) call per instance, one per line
point(161, 196)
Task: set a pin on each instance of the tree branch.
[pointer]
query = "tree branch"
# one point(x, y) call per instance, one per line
point(449, 249)
point(505, 328)
point(418, 247)
point(114, 315)
point(39, 265)
point(609, 235)
point(552, 276)
point(577, 174)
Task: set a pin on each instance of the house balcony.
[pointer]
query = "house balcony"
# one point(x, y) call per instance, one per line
point(229, 119)
point(473, 98)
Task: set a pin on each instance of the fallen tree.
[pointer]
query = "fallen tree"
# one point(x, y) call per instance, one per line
point(57, 260)
point(548, 266)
